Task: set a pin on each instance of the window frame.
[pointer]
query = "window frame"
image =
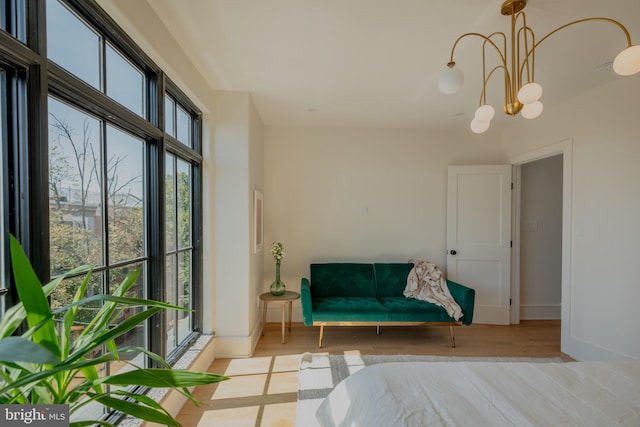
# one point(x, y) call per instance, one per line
point(5, 282)
point(27, 171)
point(18, 64)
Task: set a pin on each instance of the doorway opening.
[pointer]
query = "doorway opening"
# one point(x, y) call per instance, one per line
point(540, 241)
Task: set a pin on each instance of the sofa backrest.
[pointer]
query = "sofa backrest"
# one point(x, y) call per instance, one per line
point(391, 278)
point(342, 280)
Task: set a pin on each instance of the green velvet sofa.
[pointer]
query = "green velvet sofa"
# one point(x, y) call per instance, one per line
point(357, 294)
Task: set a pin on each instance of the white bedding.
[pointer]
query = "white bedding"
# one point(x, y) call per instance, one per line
point(486, 394)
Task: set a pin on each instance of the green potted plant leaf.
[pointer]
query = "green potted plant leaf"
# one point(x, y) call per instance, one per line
point(49, 365)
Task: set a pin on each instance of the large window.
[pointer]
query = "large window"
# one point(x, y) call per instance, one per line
point(100, 165)
point(97, 205)
point(96, 191)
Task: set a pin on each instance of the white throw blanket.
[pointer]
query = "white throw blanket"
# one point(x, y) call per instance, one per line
point(426, 282)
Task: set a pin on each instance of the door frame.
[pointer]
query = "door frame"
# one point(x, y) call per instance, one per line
point(564, 147)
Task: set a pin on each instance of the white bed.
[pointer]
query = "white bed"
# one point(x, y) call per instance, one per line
point(486, 394)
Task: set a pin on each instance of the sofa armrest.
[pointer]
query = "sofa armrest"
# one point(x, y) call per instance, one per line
point(305, 299)
point(465, 297)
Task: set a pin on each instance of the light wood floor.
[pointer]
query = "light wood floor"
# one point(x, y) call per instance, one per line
point(262, 389)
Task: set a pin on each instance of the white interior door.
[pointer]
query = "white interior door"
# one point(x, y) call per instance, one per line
point(479, 237)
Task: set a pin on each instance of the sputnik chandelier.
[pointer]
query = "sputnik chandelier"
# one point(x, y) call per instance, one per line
point(521, 92)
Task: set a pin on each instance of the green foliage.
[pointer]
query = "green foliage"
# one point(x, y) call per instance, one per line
point(51, 365)
point(71, 246)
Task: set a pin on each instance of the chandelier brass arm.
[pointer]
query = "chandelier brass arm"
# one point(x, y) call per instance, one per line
point(522, 93)
point(562, 27)
point(486, 39)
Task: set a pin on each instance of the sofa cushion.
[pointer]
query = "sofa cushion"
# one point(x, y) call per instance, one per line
point(403, 309)
point(348, 309)
point(391, 278)
point(342, 280)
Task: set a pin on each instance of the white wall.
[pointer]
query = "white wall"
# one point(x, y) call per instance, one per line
point(236, 171)
point(541, 239)
point(601, 292)
point(360, 194)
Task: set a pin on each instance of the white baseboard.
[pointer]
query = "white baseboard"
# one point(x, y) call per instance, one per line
point(584, 351)
point(233, 347)
point(540, 311)
point(238, 346)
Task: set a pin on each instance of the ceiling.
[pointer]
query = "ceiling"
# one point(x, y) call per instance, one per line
point(375, 63)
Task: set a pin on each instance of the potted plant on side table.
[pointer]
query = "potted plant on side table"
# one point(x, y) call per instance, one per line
point(277, 287)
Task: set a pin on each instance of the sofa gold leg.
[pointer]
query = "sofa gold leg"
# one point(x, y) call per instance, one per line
point(453, 338)
point(377, 329)
point(321, 334)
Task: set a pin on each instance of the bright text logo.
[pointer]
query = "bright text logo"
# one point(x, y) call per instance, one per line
point(34, 415)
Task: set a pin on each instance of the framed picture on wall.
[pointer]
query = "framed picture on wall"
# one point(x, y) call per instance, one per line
point(258, 231)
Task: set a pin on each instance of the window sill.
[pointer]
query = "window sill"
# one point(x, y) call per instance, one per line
point(173, 401)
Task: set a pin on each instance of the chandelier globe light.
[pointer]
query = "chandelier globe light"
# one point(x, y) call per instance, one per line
point(517, 62)
point(479, 126)
point(627, 62)
point(450, 81)
point(529, 93)
point(531, 111)
point(485, 113)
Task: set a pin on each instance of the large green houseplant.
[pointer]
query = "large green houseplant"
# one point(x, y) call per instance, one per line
point(48, 365)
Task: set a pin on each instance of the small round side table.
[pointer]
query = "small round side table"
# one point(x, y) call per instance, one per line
point(287, 298)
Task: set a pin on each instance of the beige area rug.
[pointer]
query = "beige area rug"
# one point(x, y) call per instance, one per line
point(320, 373)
